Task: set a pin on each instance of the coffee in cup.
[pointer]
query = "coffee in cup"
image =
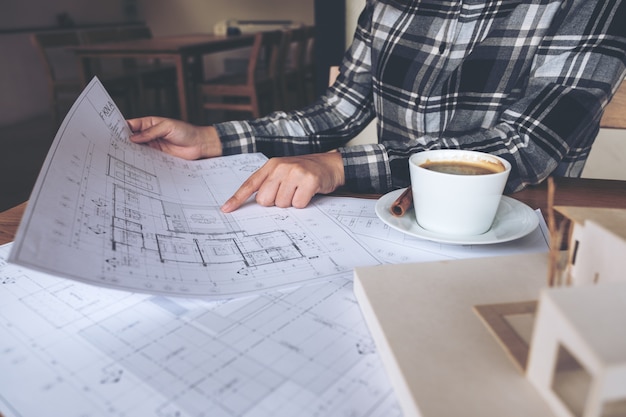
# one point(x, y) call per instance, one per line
point(457, 192)
point(479, 167)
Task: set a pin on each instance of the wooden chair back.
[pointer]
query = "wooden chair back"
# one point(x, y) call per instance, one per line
point(253, 92)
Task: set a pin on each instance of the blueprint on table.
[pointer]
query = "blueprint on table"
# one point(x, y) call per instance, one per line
point(76, 350)
point(392, 246)
point(110, 212)
point(87, 351)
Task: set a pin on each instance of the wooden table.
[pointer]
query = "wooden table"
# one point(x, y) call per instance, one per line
point(185, 51)
point(569, 192)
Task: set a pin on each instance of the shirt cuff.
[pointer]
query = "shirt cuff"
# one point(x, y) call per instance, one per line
point(236, 137)
point(366, 169)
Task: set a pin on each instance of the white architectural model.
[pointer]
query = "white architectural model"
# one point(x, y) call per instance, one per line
point(577, 357)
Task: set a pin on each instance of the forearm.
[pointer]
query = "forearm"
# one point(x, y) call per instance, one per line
point(325, 125)
point(211, 144)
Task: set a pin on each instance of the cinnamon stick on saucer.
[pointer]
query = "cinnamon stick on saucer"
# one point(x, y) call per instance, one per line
point(403, 203)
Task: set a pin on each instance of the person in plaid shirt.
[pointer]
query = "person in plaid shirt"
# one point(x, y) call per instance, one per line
point(523, 79)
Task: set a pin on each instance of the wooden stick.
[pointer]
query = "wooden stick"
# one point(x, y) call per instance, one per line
point(403, 203)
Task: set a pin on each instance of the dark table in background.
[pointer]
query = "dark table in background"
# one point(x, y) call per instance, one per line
point(186, 51)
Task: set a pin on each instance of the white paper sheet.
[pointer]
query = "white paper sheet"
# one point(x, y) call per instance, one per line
point(76, 350)
point(87, 351)
point(130, 216)
point(112, 213)
point(109, 212)
point(391, 246)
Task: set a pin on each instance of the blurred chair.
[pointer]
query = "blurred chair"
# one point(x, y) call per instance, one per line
point(291, 69)
point(150, 84)
point(254, 92)
point(308, 68)
point(158, 77)
point(61, 68)
point(123, 86)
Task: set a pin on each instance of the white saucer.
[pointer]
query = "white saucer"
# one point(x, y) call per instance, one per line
point(514, 220)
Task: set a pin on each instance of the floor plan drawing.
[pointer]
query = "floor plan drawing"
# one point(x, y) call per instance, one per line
point(113, 213)
point(199, 235)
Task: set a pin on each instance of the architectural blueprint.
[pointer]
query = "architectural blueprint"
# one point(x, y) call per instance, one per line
point(88, 351)
point(107, 211)
point(76, 350)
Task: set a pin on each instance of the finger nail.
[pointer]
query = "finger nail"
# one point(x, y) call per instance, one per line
point(227, 206)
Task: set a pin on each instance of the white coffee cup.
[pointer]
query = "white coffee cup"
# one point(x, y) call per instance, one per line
point(457, 204)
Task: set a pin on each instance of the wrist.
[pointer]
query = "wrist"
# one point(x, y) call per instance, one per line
point(340, 177)
point(211, 145)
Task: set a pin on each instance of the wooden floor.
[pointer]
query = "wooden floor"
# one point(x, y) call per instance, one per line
point(24, 148)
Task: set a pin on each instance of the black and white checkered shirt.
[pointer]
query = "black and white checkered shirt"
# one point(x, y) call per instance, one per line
point(526, 80)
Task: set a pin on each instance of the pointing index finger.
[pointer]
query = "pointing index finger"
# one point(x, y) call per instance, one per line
point(249, 187)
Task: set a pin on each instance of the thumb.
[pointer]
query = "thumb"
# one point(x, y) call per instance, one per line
point(157, 131)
